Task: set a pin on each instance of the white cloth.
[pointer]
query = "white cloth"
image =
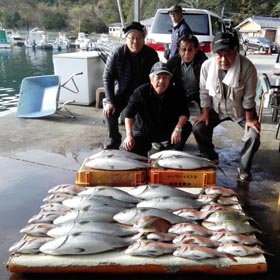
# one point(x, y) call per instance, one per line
point(231, 79)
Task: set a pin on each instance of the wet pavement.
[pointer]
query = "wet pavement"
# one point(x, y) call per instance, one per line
point(37, 154)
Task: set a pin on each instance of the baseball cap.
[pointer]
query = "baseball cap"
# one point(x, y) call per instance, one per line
point(224, 41)
point(175, 9)
point(133, 27)
point(160, 67)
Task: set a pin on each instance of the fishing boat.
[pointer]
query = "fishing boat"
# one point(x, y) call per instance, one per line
point(36, 38)
point(82, 41)
point(61, 42)
point(16, 38)
point(5, 42)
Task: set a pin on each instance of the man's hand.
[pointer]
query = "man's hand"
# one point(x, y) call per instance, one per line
point(129, 143)
point(255, 124)
point(108, 110)
point(176, 137)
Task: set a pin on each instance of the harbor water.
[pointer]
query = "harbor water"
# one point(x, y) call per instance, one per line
point(16, 64)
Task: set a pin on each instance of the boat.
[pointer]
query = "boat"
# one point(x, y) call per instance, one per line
point(5, 42)
point(15, 38)
point(36, 38)
point(82, 41)
point(61, 42)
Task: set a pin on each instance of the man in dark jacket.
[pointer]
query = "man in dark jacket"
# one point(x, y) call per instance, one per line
point(156, 112)
point(127, 67)
point(180, 28)
point(186, 66)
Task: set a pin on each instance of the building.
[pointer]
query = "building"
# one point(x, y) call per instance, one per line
point(255, 26)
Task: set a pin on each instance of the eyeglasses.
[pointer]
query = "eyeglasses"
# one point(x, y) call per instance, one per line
point(132, 38)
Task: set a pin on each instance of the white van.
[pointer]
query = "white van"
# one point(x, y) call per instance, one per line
point(203, 23)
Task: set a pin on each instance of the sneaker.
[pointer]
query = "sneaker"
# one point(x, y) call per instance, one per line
point(214, 158)
point(111, 144)
point(244, 176)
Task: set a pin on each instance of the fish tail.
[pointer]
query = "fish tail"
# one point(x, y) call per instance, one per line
point(231, 257)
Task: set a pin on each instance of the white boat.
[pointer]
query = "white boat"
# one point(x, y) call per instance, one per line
point(82, 41)
point(61, 42)
point(36, 39)
point(15, 38)
point(5, 42)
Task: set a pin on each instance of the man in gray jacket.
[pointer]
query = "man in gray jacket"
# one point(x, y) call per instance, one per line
point(127, 67)
point(227, 92)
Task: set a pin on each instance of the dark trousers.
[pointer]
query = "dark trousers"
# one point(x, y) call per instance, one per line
point(143, 142)
point(113, 121)
point(204, 138)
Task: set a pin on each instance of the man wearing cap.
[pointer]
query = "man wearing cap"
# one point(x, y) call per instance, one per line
point(180, 28)
point(227, 92)
point(156, 112)
point(127, 67)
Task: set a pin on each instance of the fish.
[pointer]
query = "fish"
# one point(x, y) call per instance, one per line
point(116, 163)
point(83, 243)
point(55, 207)
point(118, 153)
point(241, 250)
point(195, 239)
point(192, 214)
point(81, 202)
point(231, 237)
point(231, 225)
point(160, 236)
point(37, 229)
point(112, 229)
point(219, 190)
point(30, 245)
point(183, 162)
point(154, 190)
point(220, 216)
point(150, 248)
point(169, 153)
point(151, 224)
point(94, 214)
point(221, 200)
point(57, 197)
point(172, 203)
point(44, 217)
point(196, 252)
point(110, 191)
point(132, 215)
point(66, 188)
point(219, 207)
point(186, 227)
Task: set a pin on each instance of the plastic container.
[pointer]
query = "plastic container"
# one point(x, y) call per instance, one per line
point(197, 178)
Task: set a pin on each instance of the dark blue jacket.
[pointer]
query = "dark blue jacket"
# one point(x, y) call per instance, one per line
point(181, 29)
point(118, 77)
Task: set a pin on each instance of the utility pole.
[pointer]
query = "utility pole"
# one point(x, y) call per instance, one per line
point(120, 13)
point(136, 10)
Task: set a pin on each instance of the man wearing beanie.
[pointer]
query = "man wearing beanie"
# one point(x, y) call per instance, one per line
point(228, 84)
point(127, 67)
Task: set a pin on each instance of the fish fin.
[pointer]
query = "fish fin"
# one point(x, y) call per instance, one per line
point(231, 257)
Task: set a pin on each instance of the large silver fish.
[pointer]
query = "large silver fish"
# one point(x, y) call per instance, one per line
point(172, 203)
point(118, 153)
point(170, 153)
point(241, 250)
point(196, 252)
point(70, 228)
point(154, 190)
point(110, 191)
point(131, 216)
point(150, 248)
point(116, 163)
point(183, 162)
point(81, 202)
point(95, 214)
point(37, 229)
point(83, 244)
point(66, 188)
point(29, 245)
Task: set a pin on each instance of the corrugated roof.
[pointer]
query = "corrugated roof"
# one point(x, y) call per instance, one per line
point(267, 22)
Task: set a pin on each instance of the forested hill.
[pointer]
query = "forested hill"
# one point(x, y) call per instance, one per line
point(95, 15)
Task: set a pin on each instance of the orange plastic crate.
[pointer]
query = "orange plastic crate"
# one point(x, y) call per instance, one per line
point(92, 177)
point(197, 178)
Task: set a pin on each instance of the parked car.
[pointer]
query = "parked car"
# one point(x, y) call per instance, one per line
point(204, 24)
point(260, 44)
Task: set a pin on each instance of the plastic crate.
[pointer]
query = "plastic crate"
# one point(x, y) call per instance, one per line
point(198, 178)
point(92, 177)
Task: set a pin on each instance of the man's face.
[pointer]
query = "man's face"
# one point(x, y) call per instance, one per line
point(160, 82)
point(225, 59)
point(187, 51)
point(175, 17)
point(135, 41)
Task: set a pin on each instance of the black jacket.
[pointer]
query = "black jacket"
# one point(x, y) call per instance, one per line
point(156, 115)
point(118, 75)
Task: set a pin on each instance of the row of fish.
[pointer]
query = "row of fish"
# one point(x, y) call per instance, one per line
point(148, 220)
point(124, 160)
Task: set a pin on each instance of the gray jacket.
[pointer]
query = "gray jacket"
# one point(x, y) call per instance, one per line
point(231, 102)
